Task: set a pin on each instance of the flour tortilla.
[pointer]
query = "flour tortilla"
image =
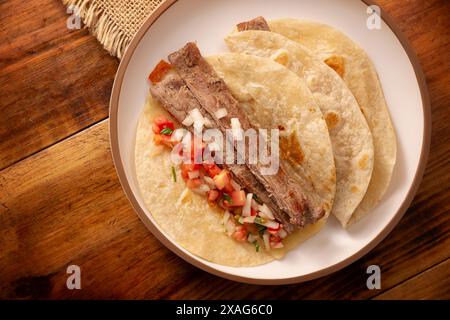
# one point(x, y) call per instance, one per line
point(362, 79)
point(186, 217)
point(350, 135)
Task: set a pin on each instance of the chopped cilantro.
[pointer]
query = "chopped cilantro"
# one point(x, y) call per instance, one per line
point(261, 229)
point(256, 245)
point(255, 197)
point(174, 175)
point(227, 197)
point(166, 131)
point(259, 220)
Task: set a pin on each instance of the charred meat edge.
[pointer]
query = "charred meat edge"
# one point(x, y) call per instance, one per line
point(213, 94)
point(259, 23)
point(176, 98)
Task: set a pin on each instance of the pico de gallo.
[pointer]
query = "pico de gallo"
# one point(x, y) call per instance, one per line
point(245, 217)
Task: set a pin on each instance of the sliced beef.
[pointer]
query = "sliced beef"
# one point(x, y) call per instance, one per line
point(176, 98)
point(258, 23)
point(213, 94)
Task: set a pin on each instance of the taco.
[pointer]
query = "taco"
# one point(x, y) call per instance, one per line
point(350, 135)
point(230, 213)
point(354, 66)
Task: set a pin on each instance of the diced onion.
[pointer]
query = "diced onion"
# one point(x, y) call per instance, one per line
point(271, 224)
point(282, 233)
point(235, 185)
point(251, 238)
point(188, 121)
point(193, 174)
point(221, 113)
point(255, 205)
point(210, 182)
point(266, 237)
point(230, 227)
point(246, 210)
point(265, 212)
point(199, 122)
point(183, 196)
point(236, 129)
point(202, 189)
point(226, 217)
point(250, 219)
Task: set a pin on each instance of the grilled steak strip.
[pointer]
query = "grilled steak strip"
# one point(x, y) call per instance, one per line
point(258, 23)
point(213, 94)
point(176, 98)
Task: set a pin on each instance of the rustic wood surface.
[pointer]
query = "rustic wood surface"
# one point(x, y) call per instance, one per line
point(61, 202)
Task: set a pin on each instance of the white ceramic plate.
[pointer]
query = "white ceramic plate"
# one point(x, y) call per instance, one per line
point(207, 22)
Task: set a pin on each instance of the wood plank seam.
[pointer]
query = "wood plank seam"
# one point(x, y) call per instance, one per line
point(55, 143)
point(383, 291)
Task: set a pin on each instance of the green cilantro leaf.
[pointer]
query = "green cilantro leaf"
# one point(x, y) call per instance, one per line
point(166, 131)
point(174, 175)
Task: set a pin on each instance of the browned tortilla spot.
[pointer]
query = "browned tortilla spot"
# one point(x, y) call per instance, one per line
point(354, 189)
point(291, 149)
point(282, 58)
point(363, 162)
point(332, 119)
point(337, 64)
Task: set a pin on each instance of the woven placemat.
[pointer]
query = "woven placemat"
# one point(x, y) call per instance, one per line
point(114, 22)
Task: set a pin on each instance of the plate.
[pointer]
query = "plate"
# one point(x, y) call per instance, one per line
point(176, 22)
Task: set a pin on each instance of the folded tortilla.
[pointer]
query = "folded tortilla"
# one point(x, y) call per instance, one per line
point(358, 72)
point(186, 217)
point(350, 135)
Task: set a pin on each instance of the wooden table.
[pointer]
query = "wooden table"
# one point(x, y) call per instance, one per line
point(61, 202)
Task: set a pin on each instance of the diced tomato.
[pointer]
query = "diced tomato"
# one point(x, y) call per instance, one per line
point(274, 231)
point(240, 234)
point(274, 239)
point(252, 212)
point(222, 179)
point(160, 123)
point(238, 198)
point(276, 245)
point(188, 167)
point(162, 139)
point(228, 186)
point(211, 169)
point(227, 204)
point(159, 72)
point(251, 227)
point(193, 183)
point(155, 128)
point(213, 195)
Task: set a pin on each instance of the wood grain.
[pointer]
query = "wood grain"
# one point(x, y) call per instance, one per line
point(61, 202)
point(434, 283)
point(55, 212)
point(53, 81)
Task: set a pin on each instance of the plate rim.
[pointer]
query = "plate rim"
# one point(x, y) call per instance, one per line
point(114, 144)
